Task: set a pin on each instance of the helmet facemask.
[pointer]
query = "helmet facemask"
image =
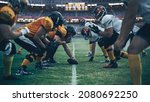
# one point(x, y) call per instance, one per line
point(100, 12)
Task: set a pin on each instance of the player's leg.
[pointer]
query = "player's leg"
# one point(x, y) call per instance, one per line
point(22, 70)
point(104, 51)
point(92, 46)
point(108, 44)
point(9, 50)
point(28, 44)
point(139, 43)
point(51, 50)
point(113, 63)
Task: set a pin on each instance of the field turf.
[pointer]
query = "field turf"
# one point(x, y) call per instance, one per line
point(85, 73)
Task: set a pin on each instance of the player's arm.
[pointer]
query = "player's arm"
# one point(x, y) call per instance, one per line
point(7, 32)
point(67, 50)
point(38, 36)
point(45, 40)
point(65, 46)
point(107, 32)
point(129, 20)
point(127, 24)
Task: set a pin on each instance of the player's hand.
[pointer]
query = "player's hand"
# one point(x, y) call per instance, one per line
point(95, 29)
point(72, 61)
point(25, 31)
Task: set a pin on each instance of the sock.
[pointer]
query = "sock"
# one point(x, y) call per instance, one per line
point(25, 63)
point(92, 49)
point(135, 68)
point(111, 54)
point(7, 61)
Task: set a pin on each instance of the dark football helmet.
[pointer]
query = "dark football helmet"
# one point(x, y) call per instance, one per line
point(99, 12)
point(57, 18)
point(71, 30)
point(70, 33)
point(85, 32)
point(125, 2)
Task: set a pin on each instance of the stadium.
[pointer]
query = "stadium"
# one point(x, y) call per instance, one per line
point(85, 72)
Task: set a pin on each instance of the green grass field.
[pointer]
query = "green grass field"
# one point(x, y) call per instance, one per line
point(86, 73)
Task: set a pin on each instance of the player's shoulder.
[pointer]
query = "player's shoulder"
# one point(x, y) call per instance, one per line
point(106, 18)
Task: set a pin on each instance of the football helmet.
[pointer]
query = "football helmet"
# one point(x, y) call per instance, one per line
point(19, 4)
point(85, 32)
point(57, 18)
point(99, 12)
point(125, 2)
point(71, 30)
point(70, 33)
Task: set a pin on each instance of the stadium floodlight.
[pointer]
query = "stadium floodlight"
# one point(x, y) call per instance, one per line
point(92, 5)
point(60, 5)
point(41, 5)
point(115, 4)
point(3, 2)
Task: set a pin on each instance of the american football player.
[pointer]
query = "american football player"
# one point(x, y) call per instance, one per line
point(141, 39)
point(93, 38)
point(56, 40)
point(8, 18)
point(35, 42)
point(111, 25)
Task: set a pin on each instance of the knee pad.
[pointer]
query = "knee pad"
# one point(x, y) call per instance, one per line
point(30, 57)
point(10, 49)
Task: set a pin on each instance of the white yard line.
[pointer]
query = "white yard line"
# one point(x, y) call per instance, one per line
point(74, 71)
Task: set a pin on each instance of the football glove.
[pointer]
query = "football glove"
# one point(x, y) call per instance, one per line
point(72, 61)
point(95, 29)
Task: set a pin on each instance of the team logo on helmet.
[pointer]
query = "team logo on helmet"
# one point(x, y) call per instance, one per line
point(57, 18)
point(100, 12)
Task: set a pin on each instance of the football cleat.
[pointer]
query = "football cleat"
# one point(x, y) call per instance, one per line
point(91, 59)
point(46, 64)
point(111, 65)
point(51, 60)
point(23, 71)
